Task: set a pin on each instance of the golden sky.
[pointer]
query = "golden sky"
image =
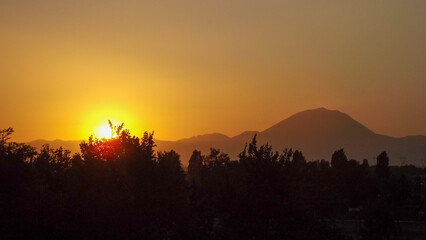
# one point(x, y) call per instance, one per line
point(184, 68)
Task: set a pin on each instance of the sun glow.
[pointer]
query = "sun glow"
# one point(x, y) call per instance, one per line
point(104, 131)
point(96, 121)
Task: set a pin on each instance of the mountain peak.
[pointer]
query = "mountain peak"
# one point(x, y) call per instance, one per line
point(319, 109)
point(320, 122)
point(322, 110)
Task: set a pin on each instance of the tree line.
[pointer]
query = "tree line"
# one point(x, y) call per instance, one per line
point(122, 188)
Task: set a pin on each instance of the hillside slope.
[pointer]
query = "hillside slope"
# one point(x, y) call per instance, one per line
point(317, 132)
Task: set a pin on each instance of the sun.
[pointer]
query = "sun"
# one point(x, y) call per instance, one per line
point(104, 131)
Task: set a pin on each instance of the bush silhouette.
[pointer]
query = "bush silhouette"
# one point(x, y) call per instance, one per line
point(121, 187)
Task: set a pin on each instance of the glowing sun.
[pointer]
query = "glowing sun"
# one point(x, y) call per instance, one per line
point(104, 131)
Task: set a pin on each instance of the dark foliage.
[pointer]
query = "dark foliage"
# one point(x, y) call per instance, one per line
point(121, 188)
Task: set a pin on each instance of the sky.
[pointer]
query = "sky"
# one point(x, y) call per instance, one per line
point(183, 68)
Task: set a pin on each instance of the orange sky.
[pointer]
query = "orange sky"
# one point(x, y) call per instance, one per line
point(184, 68)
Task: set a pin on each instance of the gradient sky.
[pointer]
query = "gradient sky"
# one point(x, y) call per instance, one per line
point(184, 68)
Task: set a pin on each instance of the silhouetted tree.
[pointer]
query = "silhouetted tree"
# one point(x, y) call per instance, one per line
point(16, 180)
point(339, 159)
point(365, 163)
point(382, 167)
point(216, 158)
point(298, 160)
point(121, 188)
point(195, 165)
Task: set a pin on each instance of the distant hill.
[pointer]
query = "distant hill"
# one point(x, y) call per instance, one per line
point(72, 145)
point(317, 133)
point(212, 137)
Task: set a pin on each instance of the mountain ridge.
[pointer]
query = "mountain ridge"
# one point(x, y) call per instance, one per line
point(316, 132)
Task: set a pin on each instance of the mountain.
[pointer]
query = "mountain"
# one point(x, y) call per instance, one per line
point(316, 132)
point(72, 145)
point(319, 132)
point(212, 137)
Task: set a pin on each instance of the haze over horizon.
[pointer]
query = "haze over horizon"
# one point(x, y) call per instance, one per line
point(317, 132)
point(321, 109)
point(188, 68)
